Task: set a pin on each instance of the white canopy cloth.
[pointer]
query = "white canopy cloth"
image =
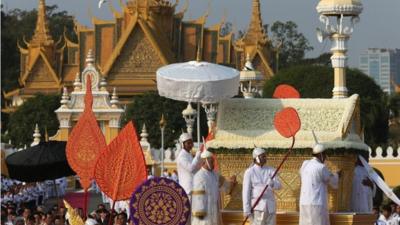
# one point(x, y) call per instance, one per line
point(197, 82)
point(379, 182)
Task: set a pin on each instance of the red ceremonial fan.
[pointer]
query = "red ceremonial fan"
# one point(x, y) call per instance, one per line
point(287, 122)
point(121, 167)
point(85, 142)
point(285, 91)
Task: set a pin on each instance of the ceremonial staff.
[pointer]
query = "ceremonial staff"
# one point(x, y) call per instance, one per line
point(287, 123)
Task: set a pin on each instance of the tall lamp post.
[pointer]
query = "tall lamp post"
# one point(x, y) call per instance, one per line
point(163, 123)
point(339, 17)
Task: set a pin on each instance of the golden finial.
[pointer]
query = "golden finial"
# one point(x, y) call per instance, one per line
point(41, 34)
point(256, 31)
point(163, 122)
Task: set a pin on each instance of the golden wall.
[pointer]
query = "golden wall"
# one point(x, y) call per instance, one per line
point(288, 197)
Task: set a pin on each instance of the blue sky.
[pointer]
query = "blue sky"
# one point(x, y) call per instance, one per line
point(378, 26)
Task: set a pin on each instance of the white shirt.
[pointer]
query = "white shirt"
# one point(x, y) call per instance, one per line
point(361, 197)
point(254, 181)
point(187, 166)
point(315, 178)
point(389, 221)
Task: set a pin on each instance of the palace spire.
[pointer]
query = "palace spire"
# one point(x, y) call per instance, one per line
point(256, 32)
point(42, 34)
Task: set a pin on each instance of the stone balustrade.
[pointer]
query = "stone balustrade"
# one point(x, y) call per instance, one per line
point(385, 153)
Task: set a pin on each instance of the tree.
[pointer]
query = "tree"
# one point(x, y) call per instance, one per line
point(293, 44)
point(19, 24)
point(322, 60)
point(36, 110)
point(314, 81)
point(149, 107)
point(226, 29)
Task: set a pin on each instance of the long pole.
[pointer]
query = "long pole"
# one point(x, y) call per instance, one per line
point(162, 150)
point(198, 125)
point(266, 186)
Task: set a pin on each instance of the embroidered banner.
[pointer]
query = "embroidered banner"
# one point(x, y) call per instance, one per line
point(159, 201)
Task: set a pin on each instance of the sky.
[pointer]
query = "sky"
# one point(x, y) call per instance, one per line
point(378, 26)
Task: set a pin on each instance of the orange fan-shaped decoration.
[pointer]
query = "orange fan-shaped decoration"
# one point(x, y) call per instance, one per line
point(287, 122)
point(85, 142)
point(285, 91)
point(121, 167)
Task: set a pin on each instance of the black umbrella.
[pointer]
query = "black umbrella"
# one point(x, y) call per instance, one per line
point(45, 161)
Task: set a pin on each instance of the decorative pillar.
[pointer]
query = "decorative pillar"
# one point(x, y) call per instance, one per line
point(211, 112)
point(36, 136)
point(334, 15)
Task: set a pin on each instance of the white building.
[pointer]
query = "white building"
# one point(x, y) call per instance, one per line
point(383, 65)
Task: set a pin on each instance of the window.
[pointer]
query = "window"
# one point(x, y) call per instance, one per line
point(385, 59)
point(364, 60)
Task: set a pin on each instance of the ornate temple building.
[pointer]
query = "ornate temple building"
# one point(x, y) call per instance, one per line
point(128, 50)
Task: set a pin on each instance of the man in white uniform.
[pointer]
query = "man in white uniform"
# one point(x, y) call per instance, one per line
point(186, 164)
point(205, 193)
point(315, 178)
point(363, 190)
point(255, 179)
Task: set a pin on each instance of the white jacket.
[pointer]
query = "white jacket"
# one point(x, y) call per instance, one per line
point(315, 178)
point(187, 166)
point(361, 197)
point(254, 181)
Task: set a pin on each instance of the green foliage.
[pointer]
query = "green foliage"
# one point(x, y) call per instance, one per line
point(394, 104)
point(17, 24)
point(147, 108)
point(396, 191)
point(39, 109)
point(317, 82)
point(294, 44)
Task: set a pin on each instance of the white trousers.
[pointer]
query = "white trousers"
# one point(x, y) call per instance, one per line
point(263, 218)
point(313, 215)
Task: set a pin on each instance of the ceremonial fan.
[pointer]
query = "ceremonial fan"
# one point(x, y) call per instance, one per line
point(85, 143)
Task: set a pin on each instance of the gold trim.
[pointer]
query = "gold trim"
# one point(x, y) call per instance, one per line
point(199, 192)
point(199, 213)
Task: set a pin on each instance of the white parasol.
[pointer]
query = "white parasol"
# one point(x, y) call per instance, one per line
point(199, 82)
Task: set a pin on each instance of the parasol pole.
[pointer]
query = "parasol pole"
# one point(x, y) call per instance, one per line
point(55, 190)
point(85, 203)
point(273, 176)
point(162, 127)
point(198, 125)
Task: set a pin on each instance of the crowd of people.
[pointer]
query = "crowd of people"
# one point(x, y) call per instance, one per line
point(34, 193)
point(11, 214)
